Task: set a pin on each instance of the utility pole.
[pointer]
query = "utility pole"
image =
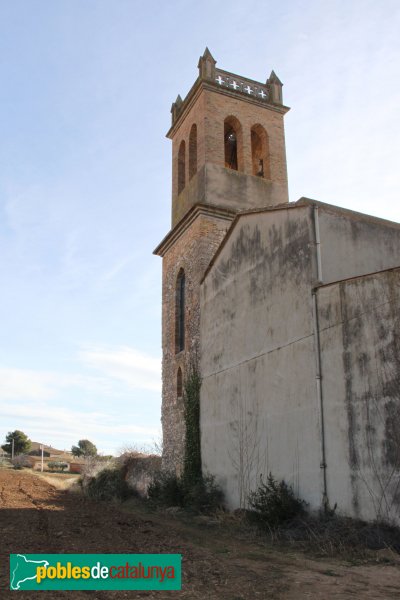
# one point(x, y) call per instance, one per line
point(12, 449)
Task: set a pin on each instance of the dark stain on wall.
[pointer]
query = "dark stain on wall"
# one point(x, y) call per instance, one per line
point(391, 382)
point(363, 361)
point(325, 313)
point(349, 400)
point(284, 255)
point(371, 365)
point(392, 431)
point(382, 331)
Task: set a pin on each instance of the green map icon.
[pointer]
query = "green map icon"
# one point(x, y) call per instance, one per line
point(24, 569)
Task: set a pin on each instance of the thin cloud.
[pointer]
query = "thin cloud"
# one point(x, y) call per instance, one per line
point(60, 408)
point(28, 384)
point(128, 365)
point(117, 268)
point(24, 383)
point(122, 364)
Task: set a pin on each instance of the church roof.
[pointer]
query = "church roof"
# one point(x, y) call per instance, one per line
point(301, 203)
point(187, 220)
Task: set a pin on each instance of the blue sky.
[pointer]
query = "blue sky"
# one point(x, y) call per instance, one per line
point(85, 178)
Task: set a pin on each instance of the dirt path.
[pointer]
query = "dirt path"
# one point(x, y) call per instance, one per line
point(35, 517)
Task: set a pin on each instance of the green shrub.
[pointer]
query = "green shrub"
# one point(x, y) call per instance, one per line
point(166, 489)
point(108, 484)
point(201, 495)
point(56, 465)
point(274, 502)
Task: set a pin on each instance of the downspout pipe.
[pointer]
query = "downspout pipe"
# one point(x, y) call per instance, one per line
point(318, 376)
point(317, 245)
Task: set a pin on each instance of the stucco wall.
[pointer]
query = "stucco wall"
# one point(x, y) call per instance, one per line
point(216, 185)
point(354, 244)
point(360, 345)
point(259, 409)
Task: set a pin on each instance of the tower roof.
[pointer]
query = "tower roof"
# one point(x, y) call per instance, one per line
point(273, 78)
point(207, 56)
point(212, 78)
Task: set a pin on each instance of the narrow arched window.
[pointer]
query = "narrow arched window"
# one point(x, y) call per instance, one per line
point(260, 152)
point(233, 143)
point(179, 384)
point(231, 160)
point(180, 312)
point(181, 166)
point(193, 151)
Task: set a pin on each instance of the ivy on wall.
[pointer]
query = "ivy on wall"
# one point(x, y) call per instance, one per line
point(192, 461)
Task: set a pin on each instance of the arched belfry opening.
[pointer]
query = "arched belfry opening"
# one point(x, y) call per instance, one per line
point(180, 312)
point(181, 166)
point(193, 151)
point(233, 144)
point(260, 152)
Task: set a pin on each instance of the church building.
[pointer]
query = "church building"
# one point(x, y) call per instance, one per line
point(290, 310)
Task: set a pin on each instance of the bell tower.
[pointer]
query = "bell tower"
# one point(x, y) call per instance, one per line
point(228, 155)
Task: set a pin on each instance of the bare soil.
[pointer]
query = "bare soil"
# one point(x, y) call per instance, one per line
point(218, 563)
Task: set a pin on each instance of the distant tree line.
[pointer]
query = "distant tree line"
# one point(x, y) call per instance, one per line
point(22, 445)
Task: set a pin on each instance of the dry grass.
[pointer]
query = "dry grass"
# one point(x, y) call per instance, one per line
point(330, 537)
point(61, 481)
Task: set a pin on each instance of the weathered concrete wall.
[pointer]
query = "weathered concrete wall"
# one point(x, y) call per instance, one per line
point(360, 346)
point(259, 409)
point(354, 244)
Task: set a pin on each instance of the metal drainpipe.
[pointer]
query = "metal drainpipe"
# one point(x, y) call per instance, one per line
point(317, 244)
point(318, 376)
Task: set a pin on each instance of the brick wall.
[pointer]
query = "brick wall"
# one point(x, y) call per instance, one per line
point(192, 251)
point(195, 246)
point(195, 116)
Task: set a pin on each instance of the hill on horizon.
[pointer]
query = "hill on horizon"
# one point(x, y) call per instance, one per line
point(35, 446)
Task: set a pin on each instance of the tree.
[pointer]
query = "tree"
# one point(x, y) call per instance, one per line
point(84, 448)
point(22, 443)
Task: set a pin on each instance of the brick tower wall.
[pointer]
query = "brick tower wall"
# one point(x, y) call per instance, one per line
point(208, 189)
point(192, 251)
point(209, 111)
